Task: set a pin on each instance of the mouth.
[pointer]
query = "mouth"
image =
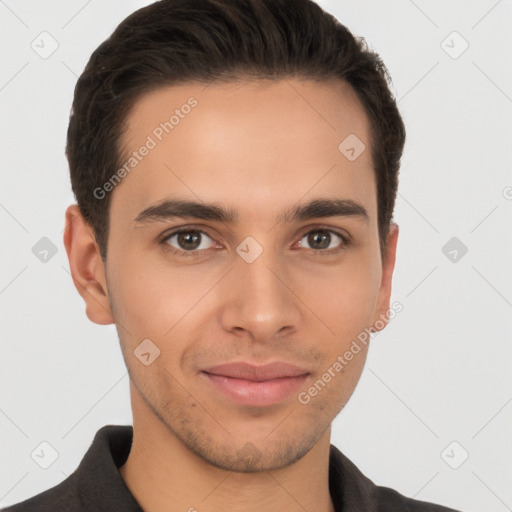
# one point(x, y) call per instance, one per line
point(256, 385)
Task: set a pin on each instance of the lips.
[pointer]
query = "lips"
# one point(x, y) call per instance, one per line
point(248, 371)
point(256, 385)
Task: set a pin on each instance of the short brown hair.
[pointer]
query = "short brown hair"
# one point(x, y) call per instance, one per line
point(172, 42)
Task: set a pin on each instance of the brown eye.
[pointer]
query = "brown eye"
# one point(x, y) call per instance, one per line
point(322, 239)
point(190, 240)
point(319, 239)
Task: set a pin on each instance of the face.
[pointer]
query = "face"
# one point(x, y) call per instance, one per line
point(252, 294)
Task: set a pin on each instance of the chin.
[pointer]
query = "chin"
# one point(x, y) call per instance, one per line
point(251, 457)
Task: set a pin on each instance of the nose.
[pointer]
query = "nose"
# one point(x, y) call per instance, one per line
point(259, 300)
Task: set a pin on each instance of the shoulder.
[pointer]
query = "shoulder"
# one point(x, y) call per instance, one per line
point(352, 491)
point(96, 483)
point(389, 500)
point(63, 496)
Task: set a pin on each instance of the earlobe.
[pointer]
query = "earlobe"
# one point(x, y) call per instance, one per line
point(388, 265)
point(87, 267)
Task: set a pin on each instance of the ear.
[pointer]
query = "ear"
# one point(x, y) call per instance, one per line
point(382, 316)
point(87, 267)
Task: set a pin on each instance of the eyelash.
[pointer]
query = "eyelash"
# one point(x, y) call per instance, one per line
point(346, 241)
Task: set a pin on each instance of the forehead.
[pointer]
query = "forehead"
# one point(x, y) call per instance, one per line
point(257, 143)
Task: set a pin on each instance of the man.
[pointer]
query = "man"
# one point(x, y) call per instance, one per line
point(235, 164)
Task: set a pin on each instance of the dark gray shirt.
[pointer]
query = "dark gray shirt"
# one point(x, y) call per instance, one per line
point(97, 486)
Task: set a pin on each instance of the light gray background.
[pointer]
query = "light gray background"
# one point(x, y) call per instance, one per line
point(439, 373)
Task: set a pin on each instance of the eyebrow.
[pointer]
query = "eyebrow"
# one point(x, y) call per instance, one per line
point(178, 208)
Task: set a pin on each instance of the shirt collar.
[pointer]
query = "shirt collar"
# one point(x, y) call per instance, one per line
point(98, 476)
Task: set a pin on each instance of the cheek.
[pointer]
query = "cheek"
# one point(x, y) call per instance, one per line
point(152, 300)
point(344, 299)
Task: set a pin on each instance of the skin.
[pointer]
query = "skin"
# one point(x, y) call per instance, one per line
point(258, 148)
